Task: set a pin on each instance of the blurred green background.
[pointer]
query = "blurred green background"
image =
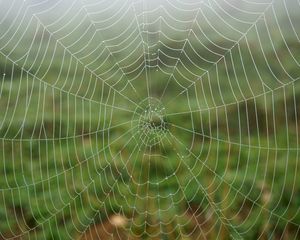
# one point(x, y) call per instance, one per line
point(75, 77)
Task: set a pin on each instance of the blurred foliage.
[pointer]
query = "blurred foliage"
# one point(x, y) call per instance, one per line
point(242, 161)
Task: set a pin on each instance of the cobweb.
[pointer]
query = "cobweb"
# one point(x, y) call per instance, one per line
point(161, 119)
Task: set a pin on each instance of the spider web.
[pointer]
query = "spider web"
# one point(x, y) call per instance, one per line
point(160, 119)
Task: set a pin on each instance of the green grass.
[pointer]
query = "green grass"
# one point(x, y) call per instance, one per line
point(69, 159)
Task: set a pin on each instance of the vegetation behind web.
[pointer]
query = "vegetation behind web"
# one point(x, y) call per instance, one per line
point(250, 145)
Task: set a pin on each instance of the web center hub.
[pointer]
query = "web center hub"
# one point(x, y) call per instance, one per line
point(149, 122)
